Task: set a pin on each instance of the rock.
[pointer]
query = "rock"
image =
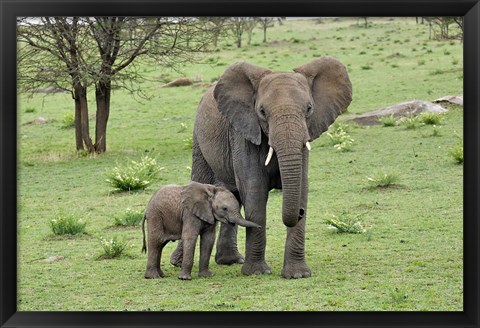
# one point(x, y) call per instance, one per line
point(53, 259)
point(40, 120)
point(180, 82)
point(410, 108)
point(458, 100)
point(49, 90)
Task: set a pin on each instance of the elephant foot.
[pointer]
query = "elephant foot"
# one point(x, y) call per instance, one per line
point(185, 276)
point(176, 258)
point(228, 257)
point(154, 274)
point(249, 268)
point(205, 273)
point(296, 271)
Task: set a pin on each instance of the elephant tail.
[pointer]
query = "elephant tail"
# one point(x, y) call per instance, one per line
point(144, 247)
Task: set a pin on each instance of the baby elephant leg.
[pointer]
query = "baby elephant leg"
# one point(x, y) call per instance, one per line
point(207, 239)
point(154, 257)
point(188, 255)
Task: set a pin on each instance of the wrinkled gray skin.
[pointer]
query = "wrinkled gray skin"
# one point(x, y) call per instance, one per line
point(176, 212)
point(248, 111)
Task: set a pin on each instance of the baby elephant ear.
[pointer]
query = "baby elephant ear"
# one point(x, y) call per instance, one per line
point(235, 95)
point(197, 199)
point(331, 91)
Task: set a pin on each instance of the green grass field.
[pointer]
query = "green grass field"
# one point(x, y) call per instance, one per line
point(410, 257)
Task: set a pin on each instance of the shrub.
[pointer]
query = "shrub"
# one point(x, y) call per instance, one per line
point(129, 218)
point(382, 180)
point(68, 120)
point(457, 153)
point(388, 120)
point(339, 137)
point(430, 118)
point(30, 109)
point(345, 223)
point(188, 143)
point(112, 248)
point(137, 176)
point(411, 123)
point(67, 225)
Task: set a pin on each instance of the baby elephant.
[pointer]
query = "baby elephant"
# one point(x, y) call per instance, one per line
point(184, 212)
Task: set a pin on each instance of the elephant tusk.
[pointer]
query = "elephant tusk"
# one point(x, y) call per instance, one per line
point(308, 146)
point(269, 156)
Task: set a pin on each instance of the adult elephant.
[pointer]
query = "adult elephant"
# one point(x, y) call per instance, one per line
point(252, 134)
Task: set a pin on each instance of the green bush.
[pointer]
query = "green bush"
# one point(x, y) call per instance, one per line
point(67, 225)
point(345, 223)
point(68, 120)
point(112, 248)
point(137, 176)
point(388, 120)
point(457, 153)
point(411, 123)
point(129, 218)
point(430, 118)
point(188, 143)
point(382, 180)
point(339, 137)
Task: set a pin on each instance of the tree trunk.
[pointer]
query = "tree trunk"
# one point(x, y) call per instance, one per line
point(102, 96)
point(78, 124)
point(265, 33)
point(81, 99)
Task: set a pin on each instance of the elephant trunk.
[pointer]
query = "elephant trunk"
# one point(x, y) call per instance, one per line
point(291, 175)
point(288, 146)
point(238, 219)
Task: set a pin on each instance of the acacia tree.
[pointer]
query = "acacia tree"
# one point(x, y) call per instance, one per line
point(52, 52)
point(265, 23)
point(237, 26)
point(99, 52)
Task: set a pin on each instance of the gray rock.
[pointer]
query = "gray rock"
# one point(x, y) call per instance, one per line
point(410, 108)
point(458, 100)
point(40, 120)
point(183, 81)
point(53, 259)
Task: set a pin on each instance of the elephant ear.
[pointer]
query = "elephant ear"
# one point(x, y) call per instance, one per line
point(331, 92)
point(235, 95)
point(197, 199)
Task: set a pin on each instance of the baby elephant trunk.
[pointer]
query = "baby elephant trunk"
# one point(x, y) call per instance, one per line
point(238, 219)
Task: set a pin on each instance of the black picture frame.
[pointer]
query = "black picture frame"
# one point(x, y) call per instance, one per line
point(9, 10)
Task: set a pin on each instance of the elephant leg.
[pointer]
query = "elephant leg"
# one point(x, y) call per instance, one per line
point(176, 257)
point(188, 256)
point(207, 239)
point(294, 265)
point(255, 211)
point(154, 256)
point(227, 250)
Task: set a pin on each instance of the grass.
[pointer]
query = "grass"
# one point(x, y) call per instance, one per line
point(129, 218)
point(410, 258)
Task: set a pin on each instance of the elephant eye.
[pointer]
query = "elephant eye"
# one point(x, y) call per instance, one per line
point(224, 208)
point(263, 115)
point(309, 109)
